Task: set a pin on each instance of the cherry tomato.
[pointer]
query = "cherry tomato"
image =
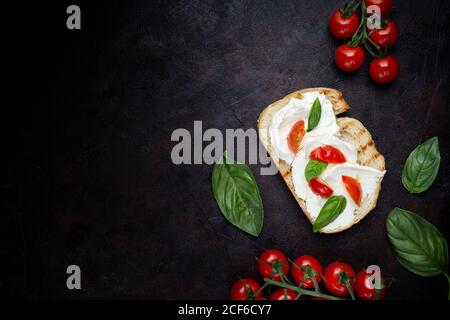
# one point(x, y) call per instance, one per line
point(384, 5)
point(296, 135)
point(320, 188)
point(328, 154)
point(349, 59)
point(343, 27)
point(384, 70)
point(364, 288)
point(385, 37)
point(245, 289)
point(298, 274)
point(335, 275)
point(271, 260)
point(282, 294)
point(353, 188)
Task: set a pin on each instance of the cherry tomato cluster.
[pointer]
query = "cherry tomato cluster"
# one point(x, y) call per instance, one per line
point(307, 276)
point(346, 24)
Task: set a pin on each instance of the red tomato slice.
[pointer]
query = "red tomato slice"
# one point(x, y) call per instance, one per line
point(353, 188)
point(328, 154)
point(320, 188)
point(296, 135)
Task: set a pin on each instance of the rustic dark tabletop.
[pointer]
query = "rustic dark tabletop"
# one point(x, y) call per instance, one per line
point(88, 179)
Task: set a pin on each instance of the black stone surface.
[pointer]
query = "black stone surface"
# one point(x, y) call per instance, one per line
point(87, 177)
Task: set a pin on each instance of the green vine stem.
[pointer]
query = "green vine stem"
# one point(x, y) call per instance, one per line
point(361, 36)
point(260, 289)
point(300, 290)
point(361, 32)
point(349, 8)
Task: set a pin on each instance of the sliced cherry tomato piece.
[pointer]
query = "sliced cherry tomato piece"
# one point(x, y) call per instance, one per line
point(328, 154)
point(353, 188)
point(296, 135)
point(320, 188)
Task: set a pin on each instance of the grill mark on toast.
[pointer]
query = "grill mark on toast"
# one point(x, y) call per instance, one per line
point(345, 127)
point(298, 95)
point(285, 174)
point(367, 145)
point(361, 132)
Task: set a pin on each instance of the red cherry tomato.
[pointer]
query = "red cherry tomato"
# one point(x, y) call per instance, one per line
point(328, 154)
point(384, 70)
point(320, 188)
point(384, 5)
point(282, 294)
point(343, 27)
point(386, 36)
point(349, 59)
point(298, 274)
point(296, 135)
point(364, 288)
point(245, 289)
point(335, 273)
point(271, 260)
point(353, 188)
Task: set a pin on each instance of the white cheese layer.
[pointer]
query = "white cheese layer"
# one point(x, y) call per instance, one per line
point(294, 111)
point(368, 178)
point(302, 158)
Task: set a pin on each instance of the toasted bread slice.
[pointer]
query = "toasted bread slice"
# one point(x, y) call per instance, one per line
point(352, 131)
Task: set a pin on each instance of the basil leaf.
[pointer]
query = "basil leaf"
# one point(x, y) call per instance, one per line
point(314, 115)
point(422, 166)
point(314, 168)
point(237, 195)
point(334, 206)
point(418, 245)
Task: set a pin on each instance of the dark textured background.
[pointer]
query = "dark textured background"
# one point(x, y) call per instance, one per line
point(87, 177)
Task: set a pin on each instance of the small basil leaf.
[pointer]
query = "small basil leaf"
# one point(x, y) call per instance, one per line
point(314, 115)
point(237, 195)
point(314, 168)
point(418, 245)
point(422, 166)
point(334, 206)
